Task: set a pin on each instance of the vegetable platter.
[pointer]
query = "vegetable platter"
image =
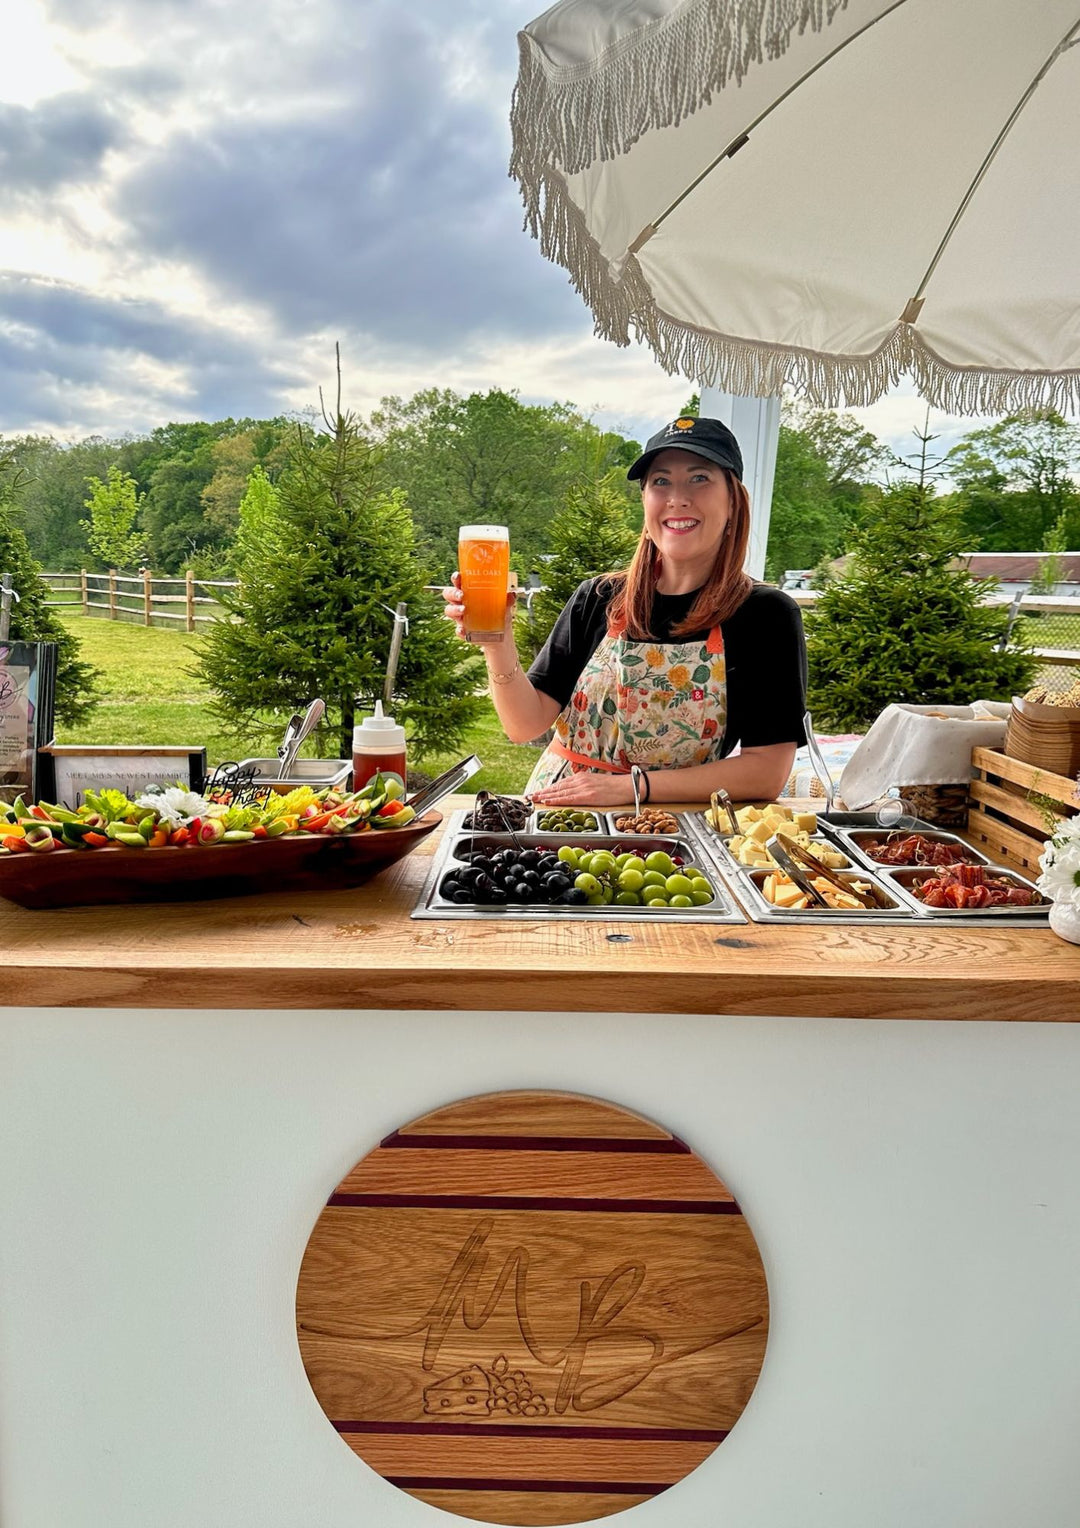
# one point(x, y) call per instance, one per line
point(173, 844)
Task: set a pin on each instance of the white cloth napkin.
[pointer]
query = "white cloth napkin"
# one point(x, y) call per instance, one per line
point(920, 745)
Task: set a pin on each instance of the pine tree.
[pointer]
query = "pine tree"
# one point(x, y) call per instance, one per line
point(904, 623)
point(31, 618)
point(320, 574)
point(591, 534)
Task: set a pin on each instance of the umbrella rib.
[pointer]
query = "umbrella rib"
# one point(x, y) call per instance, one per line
point(741, 139)
point(911, 312)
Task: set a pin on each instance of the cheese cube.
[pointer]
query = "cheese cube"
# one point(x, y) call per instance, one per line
point(807, 821)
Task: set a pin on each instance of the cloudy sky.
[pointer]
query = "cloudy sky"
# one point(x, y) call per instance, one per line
point(199, 197)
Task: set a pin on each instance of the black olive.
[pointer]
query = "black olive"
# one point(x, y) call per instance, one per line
point(497, 895)
point(463, 896)
point(523, 892)
point(449, 886)
point(530, 877)
point(575, 897)
point(528, 859)
point(557, 884)
point(483, 882)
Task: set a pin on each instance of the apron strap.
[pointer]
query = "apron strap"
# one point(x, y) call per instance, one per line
point(714, 645)
point(586, 760)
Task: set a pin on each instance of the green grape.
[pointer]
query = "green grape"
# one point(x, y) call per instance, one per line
point(596, 899)
point(680, 884)
point(634, 862)
point(587, 883)
point(631, 880)
point(658, 860)
point(568, 854)
point(627, 899)
point(654, 896)
point(678, 900)
point(700, 894)
point(653, 878)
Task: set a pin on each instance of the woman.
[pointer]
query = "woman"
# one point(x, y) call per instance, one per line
point(671, 664)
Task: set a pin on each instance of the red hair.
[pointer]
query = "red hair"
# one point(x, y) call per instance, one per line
point(719, 597)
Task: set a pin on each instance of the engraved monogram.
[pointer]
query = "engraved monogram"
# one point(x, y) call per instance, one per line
point(599, 1309)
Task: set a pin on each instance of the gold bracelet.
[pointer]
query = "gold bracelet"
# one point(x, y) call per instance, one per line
point(504, 678)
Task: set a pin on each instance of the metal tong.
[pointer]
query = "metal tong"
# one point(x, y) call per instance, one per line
point(445, 784)
point(817, 759)
point(299, 728)
point(720, 799)
point(482, 798)
point(780, 849)
point(796, 851)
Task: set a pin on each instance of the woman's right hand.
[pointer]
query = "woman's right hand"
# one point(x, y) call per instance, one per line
point(454, 607)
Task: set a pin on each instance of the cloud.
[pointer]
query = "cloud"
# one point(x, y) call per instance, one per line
point(71, 359)
point(391, 214)
point(59, 141)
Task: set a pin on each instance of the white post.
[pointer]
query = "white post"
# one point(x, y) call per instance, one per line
point(755, 423)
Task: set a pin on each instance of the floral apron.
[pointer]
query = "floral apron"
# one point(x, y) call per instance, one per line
point(662, 705)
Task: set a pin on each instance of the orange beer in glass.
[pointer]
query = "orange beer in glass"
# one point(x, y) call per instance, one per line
point(484, 565)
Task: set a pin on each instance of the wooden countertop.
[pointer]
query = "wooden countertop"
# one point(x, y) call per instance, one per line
point(360, 949)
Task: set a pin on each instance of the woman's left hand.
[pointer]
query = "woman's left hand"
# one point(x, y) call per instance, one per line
point(587, 787)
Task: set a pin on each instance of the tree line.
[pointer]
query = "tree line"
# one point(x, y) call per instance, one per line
point(171, 499)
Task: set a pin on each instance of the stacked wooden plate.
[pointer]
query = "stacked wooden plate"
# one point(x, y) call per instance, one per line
point(1046, 736)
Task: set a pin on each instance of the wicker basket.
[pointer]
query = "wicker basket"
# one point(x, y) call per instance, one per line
point(944, 805)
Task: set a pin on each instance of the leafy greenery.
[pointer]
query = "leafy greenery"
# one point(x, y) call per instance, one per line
point(489, 459)
point(31, 618)
point(152, 695)
point(904, 625)
point(1016, 481)
point(110, 531)
point(591, 534)
point(319, 582)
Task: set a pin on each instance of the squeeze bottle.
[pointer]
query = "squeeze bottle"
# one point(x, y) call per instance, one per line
point(378, 747)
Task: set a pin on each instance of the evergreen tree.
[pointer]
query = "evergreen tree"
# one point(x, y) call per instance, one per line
point(320, 576)
point(591, 534)
point(31, 618)
point(904, 623)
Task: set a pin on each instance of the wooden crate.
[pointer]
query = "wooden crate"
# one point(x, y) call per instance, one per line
point(1014, 808)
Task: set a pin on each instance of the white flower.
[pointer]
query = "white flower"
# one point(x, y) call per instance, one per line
point(1060, 864)
point(174, 804)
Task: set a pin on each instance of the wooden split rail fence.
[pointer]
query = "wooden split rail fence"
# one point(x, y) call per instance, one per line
point(1053, 625)
point(138, 597)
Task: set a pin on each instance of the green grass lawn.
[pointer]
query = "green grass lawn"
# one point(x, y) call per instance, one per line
point(151, 697)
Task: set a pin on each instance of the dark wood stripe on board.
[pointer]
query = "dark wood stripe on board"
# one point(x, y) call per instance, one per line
point(501, 1202)
point(540, 1430)
point(583, 1487)
point(664, 1146)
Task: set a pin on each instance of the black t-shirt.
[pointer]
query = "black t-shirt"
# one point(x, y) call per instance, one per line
point(764, 649)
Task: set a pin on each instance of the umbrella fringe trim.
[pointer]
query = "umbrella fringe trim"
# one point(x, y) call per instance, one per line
point(752, 368)
point(573, 115)
point(623, 308)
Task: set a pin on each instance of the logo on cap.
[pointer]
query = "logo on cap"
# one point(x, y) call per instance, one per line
point(680, 425)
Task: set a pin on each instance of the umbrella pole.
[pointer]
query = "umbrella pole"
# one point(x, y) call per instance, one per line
point(755, 423)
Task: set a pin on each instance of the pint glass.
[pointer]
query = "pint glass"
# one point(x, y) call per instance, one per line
point(484, 565)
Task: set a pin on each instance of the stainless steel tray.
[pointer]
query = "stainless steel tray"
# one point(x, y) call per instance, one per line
point(603, 825)
point(432, 905)
point(852, 839)
point(902, 877)
point(893, 909)
point(908, 911)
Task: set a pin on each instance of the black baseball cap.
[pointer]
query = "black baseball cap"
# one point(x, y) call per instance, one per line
point(705, 437)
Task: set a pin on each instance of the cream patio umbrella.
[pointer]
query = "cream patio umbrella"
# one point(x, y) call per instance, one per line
point(821, 193)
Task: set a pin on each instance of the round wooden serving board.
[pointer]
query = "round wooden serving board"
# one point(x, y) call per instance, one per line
point(532, 1308)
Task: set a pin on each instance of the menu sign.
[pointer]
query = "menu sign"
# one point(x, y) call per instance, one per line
point(19, 680)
